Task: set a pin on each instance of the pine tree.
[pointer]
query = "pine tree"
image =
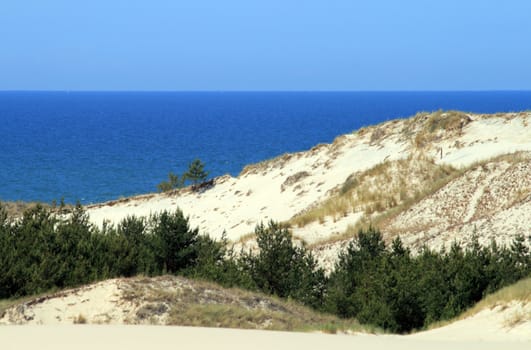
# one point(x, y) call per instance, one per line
point(196, 172)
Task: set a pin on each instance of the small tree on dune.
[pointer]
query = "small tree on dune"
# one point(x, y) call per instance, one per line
point(173, 182)
point(196, 172)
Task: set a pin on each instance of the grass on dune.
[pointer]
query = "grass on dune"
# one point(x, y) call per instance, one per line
point(233, 316)
point(415, 181)
point(403, 180)
point(520, 291)
point(206, 304)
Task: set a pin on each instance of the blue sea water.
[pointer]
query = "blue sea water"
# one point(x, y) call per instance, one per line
point(97, 146)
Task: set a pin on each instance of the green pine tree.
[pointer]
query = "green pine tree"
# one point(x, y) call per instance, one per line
point(196, 172)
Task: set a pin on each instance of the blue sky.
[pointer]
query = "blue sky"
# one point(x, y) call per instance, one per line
point(265, 45)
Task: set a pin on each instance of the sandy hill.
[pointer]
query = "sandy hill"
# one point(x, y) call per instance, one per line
point(169, 300)
point(432, 179)
point(504, 316)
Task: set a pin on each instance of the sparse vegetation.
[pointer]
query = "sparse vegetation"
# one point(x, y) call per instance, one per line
point(263, 165)
point(447, 120)
point(196, 174)
point(80, 319)
point(290, 318)
point(293, 179)
point(174, 300)
point(429, 126)
point(16, 209)
point(174, 182)
point(421, 177)
point(405, 180)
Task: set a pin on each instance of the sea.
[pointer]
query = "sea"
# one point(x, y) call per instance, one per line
point(97, 146)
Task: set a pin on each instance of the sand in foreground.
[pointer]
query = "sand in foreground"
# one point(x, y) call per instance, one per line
point(81, 337)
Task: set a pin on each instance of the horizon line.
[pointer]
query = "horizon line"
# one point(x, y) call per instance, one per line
point(259, 91)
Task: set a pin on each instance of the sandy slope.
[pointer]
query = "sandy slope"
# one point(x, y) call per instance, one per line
point(280, 188)
point(120, 301)
point(156, 337)
point(492, 201)
point(506, 321)
point(166, 300)
point(265, 192)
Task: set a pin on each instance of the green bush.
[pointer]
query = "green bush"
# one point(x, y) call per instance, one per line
point(399, 292)
point(283, 269)
point(173, 182)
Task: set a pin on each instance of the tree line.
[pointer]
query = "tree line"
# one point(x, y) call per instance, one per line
point(385, 286)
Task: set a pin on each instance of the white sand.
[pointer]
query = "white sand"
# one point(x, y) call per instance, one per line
point(100, 302)
point(83, 337)
point(48, 324)
point(237, 205)
point(511, 321)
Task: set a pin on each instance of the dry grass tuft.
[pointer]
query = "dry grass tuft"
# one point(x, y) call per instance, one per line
point(424, 128)
point(80, 319)
point(433, 178)
point(179, 301)
point(267, 314)
point(516, 319)
point(404, 180)
point(520, 291)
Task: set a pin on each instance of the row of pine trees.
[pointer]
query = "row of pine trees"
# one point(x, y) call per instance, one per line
point(380, 285)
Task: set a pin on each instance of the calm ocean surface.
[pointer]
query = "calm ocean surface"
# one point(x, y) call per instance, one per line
point(97, 146)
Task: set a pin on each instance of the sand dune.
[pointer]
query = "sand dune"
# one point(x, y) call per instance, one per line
point(494, 198)
point(280, 188)
point(85, 337)
point(49, 322)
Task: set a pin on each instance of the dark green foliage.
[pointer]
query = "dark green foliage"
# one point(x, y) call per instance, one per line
point(399, 292)
point(282, 269)
point(356, 286)
point(176, 243)
point(136, 248)
point(196, 172)
point(43, 251)
point(217, 263)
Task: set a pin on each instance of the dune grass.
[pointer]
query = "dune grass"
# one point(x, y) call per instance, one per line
point(404, 180)
point(206, 304)
point(408, 188)
point(293, 318)
point(520, 291)
point(16, 209)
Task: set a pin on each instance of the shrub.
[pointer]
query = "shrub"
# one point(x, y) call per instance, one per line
point(175, 241)
point(196, 172)
point(173, 182)
point(282, 269)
